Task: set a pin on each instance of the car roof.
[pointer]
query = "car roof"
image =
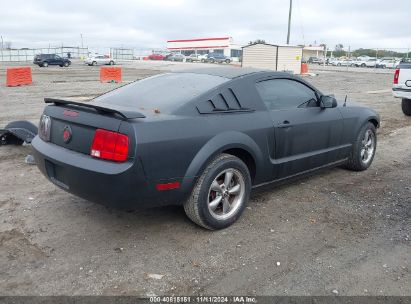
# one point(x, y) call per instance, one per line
point(226, 72)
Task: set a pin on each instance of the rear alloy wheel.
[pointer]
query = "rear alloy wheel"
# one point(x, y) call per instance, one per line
point(66, 64)
point(212, 60)
point(363, 150)
point(45, 64)
point(94, 63)
point(111, 62)
point(220, 194)
point(406, 106)
point(227, 61)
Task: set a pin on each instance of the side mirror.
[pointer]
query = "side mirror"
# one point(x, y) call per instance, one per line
point(328, 102)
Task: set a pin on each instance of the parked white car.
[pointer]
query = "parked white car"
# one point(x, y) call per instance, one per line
point(99, 60)
point(402, 86)
point(371, 63)
point(360, 62)
point(344, 62)
point(203, 58)
point(388, 63)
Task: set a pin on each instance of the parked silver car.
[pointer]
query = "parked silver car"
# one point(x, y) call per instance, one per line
point(99, 60)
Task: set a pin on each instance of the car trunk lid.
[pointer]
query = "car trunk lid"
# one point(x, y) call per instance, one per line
point(74, 125)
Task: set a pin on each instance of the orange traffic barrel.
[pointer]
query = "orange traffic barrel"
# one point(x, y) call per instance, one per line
point(304, 68)
point(110, 74)
point(18, 76)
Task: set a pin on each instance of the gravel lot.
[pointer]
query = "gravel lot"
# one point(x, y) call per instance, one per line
point(334, 232)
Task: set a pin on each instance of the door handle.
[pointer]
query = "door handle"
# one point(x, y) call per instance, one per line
point(284, 124)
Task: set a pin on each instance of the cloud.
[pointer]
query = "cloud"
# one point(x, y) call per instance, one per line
point(149, 24)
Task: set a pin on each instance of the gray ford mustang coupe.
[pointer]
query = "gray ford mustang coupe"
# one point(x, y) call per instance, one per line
point(202, 138)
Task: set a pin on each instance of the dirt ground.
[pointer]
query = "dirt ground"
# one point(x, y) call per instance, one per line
point(336, 232)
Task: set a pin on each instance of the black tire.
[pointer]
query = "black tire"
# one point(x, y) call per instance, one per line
point(338, 64)
point(363, 65)
point(355, 161)
point(197, 205)
point(406, 106)
point(45, 64)
point(212, 60)
point(111, 62)
point(94, 63)
point(227, 61)
point(66, 64)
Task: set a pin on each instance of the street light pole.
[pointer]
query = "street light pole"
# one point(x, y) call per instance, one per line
point(289, 21)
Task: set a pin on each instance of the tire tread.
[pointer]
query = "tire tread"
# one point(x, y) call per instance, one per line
point(406, 106)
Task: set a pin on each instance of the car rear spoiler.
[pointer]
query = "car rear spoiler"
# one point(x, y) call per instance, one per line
point(123, 113)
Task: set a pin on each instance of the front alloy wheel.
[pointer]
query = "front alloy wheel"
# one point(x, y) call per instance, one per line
point(363, 149)
point(368, 147)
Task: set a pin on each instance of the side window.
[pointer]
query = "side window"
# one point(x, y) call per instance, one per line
point(280, 94)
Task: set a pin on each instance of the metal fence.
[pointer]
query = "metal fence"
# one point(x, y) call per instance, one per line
point(28, 54)
point(121, 54)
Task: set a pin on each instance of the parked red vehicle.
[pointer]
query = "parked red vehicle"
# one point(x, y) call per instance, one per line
point(156, 57)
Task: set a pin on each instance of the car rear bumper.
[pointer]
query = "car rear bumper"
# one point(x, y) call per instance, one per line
point(401, 92)
point(117, 185)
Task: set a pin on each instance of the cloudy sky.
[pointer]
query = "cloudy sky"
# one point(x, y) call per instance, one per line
point(149, 23)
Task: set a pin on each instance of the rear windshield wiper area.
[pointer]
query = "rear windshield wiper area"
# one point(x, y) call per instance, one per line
point(125, 114)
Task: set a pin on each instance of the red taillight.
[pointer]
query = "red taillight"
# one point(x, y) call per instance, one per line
point(396, 76)
point(110, 145)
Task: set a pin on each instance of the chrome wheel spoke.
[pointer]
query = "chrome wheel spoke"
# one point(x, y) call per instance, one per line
point(227, 179)
point(226, 205)
point(234, 190)
point(214, 203)
point(362, 153)
point(215, 186)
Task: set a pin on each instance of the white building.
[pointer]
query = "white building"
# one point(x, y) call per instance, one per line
point(313, 51)
point(273, 57)
point(222, 45)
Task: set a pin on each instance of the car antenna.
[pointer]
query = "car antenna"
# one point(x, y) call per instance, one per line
point(345, 101)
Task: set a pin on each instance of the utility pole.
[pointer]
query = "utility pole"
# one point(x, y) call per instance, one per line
point(2, 48)
point(81, 36)
point(289, 21)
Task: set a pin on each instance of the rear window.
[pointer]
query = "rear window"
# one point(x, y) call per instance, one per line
point(165, 92)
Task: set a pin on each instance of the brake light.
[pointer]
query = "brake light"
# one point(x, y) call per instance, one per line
point(396, 76)
point(110, 145)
